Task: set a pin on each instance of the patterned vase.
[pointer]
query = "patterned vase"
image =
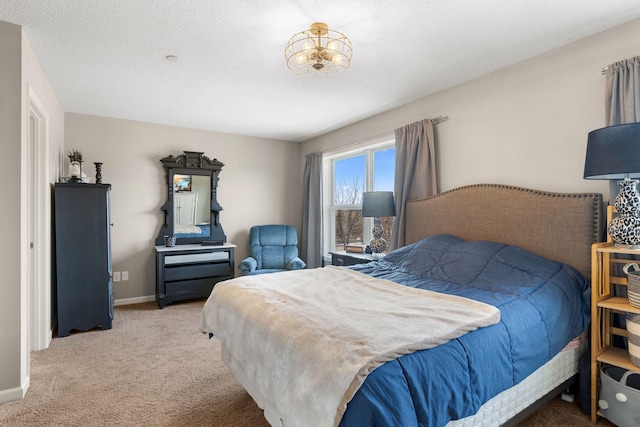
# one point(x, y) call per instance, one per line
point(378, 245)
point(624, 229)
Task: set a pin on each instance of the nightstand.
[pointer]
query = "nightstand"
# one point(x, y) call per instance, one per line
point(342, 258)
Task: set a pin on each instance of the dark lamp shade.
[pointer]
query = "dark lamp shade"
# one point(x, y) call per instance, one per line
point(378, 203)
point(613, 152)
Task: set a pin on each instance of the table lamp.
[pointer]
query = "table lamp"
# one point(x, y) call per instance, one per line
point(378, 204)
point(613, 153)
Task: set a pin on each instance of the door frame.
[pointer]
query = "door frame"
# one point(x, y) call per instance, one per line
point(39, 200)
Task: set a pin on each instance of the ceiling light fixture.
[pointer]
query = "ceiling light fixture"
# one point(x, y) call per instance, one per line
point(318, 52)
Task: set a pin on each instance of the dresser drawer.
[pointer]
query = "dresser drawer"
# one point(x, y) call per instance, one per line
point(192, 258)
point(191, 288)
point(195, 271)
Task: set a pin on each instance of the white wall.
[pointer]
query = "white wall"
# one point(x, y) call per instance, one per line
point(260, 183)
point(524, 125)
point(20, 71)
point(11, 359)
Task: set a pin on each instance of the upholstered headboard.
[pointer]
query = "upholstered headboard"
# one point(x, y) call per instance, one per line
point(559, 226)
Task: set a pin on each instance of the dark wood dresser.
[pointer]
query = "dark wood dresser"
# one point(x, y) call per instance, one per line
point(190, 271)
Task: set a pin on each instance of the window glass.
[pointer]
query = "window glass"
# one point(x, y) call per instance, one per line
point(384, 164)
point(367, 169)
point(349, 178)
point(349, 228)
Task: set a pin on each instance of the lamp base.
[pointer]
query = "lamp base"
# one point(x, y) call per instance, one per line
point(378, 245)
point(624, 229)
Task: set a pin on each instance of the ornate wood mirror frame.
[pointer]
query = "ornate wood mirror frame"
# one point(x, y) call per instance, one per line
point(184, 173)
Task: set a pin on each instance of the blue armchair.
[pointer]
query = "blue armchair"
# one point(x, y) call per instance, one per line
point(272, 248)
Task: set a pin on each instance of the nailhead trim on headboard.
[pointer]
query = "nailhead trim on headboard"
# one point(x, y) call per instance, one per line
point(560, 226)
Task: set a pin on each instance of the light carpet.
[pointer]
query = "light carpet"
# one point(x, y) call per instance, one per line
point(155, 368)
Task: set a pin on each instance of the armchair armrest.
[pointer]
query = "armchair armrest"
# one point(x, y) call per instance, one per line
point(296, 264)
point(248, 264)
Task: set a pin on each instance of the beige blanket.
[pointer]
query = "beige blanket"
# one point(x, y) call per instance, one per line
point(302, 342)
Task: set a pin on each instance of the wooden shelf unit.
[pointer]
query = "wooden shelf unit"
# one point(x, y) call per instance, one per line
point(606, 272)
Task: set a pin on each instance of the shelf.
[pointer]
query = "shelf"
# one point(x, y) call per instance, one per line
point(617, 357)
point(606, 269)
point(618, 304)
point(610, 248)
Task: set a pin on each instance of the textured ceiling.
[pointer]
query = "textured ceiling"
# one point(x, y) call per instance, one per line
point(107, 57)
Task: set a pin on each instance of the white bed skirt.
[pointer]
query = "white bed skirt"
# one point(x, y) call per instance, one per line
point(514, 400)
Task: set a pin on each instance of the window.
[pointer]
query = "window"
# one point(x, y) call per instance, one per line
point(347, 176)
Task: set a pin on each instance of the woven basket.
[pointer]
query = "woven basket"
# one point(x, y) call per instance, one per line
point(633, 332)
point(633, 283)
point(619, 399)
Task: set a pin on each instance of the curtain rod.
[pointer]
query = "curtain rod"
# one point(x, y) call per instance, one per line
point(439, 119)
point(435, 120)
point(603, 71)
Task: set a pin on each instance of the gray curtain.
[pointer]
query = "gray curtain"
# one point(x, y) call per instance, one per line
point(311, 231)
point(622, 101)
point(415, 176)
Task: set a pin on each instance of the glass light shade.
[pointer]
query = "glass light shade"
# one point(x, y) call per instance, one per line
point(320, 47)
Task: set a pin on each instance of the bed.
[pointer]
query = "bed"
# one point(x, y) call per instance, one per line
point(187, 231)
point(487, 371)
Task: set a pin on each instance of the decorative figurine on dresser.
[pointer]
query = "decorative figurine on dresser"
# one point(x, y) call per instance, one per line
point(192, 253)
point(82, 256)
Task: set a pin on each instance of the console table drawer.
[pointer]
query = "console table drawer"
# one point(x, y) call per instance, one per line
point(195, 271)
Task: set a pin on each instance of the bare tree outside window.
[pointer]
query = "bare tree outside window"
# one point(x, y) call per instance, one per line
point(349, 223)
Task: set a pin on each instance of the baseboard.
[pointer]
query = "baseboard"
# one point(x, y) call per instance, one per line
point(16, 393)
point(136, 300)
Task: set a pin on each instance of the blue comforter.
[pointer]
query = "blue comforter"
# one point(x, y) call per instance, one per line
point(205, 231)
point(543, 305)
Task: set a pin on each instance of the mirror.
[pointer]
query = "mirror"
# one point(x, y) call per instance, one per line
point(192, 212)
